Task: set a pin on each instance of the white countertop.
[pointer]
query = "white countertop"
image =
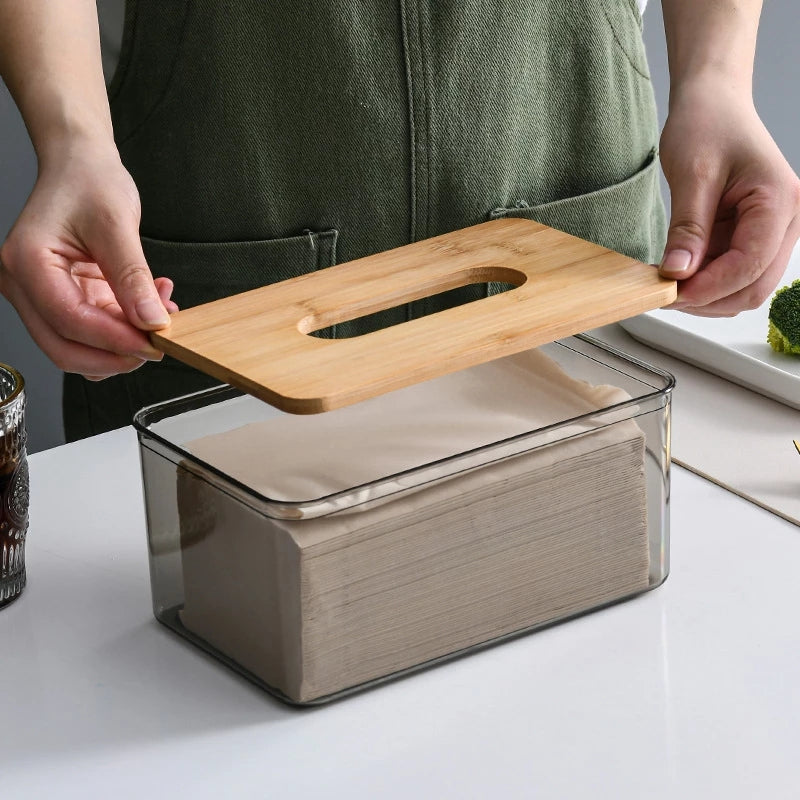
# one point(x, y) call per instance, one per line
point(692, 690)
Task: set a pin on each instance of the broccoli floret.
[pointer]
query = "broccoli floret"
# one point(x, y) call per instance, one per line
point(784, 320)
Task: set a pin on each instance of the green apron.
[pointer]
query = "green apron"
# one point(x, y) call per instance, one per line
point(273, 139)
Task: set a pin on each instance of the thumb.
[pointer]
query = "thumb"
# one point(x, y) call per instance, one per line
point(118, 252)
point(694, 208)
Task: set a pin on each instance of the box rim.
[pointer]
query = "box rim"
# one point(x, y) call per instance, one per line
point(348, 498)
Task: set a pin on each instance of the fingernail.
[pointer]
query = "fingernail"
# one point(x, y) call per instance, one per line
point(165, 289)
point(150, 355)
point(676, 261)
point(152, 313)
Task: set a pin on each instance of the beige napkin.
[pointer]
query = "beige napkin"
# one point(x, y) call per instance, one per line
point(301, 458)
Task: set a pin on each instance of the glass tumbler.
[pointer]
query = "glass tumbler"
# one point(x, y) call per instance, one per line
point(13, 485)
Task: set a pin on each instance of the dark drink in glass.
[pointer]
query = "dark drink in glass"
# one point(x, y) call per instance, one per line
point(13, 485)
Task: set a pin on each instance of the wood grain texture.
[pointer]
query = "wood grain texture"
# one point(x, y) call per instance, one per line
point(259, 342)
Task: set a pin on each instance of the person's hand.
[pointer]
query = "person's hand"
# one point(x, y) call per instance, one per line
point(74, 269)
point(735, 202)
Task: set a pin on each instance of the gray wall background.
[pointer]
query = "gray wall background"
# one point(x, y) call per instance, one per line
point(776, 93)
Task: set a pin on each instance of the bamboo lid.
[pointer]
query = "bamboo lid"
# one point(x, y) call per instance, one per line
point(259, 340)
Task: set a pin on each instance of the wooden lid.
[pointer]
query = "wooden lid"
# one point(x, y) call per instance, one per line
point(259, 340)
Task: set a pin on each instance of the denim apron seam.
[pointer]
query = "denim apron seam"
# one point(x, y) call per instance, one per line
point(623, 49)
point(420, 116)
point(411, 122)
point(177, 48)
point(425, 39)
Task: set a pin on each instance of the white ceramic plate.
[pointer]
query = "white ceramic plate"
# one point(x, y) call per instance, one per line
point(734, 347)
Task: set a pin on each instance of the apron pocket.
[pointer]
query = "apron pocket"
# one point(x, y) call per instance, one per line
point(627, 217)
point(206, 271)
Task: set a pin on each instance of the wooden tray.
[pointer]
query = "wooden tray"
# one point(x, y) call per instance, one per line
point(259, 342)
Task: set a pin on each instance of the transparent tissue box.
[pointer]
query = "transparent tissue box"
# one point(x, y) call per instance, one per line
point(319, 555)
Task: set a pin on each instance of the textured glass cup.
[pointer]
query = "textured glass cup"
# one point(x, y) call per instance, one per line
point(13, 485)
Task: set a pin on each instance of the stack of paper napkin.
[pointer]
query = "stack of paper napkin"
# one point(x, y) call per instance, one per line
point(460, 548)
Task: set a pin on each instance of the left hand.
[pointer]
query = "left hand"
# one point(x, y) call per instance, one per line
point(735, 202)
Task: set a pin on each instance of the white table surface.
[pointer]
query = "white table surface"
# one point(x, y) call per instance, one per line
point(689, 691)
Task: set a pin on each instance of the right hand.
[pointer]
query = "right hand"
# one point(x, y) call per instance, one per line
point(74, 269)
